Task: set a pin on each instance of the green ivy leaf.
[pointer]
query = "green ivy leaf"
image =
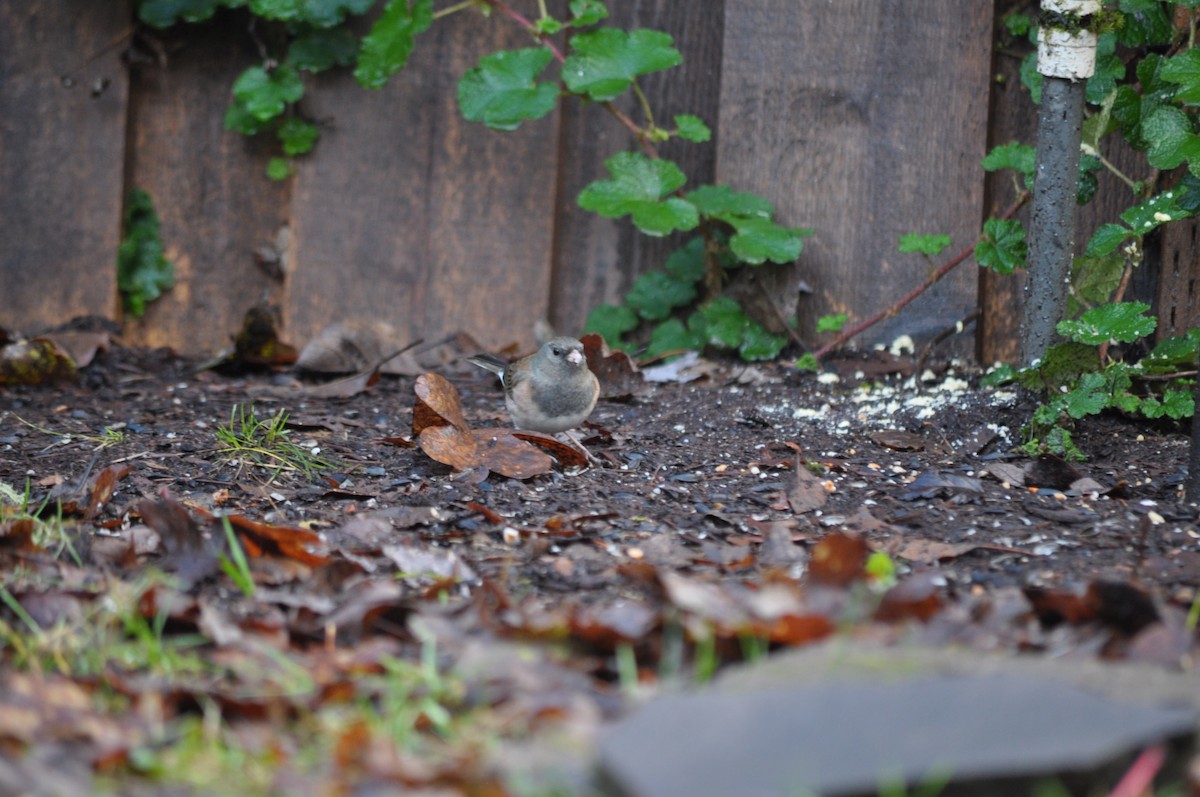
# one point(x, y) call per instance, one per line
point(1062, 365)
point(281, 10)
point(808, 362)
point(1099, 124)
point(611, 321)
point(1178, 404)
point(1127, 111)
point(1018, 24)
point(143, 271)
point(756, 238)
point(1168, 132)
point(319, 13)
point(297, 136)
point(587, 12)
point(1013, 155)
point(1146, 23)
point(547, 26)
point(1177, 351)
point(502, 91)
point(931, 245)
point(1031, 78)
point(1085, 188)
point(1106, 239)
point(604, 62)
point(318, 50)
point(656, 293)
point(1156, 210)
point(692, 128)
point(759, 240)
point(1109, 69)
point(672, 336)
point(724, 322)
point(831, 323)
point(386, 49)
point(1124, 322)
point(165, 13)
point(1189, 198)
point(1094, 279)
point(728, 327)
point(637, 189)
point(330, 13)
point(264, 95)
point(759, 344)
point(1184, 70)
point(1002, 247)
point(1000, 375)
point(280, 168)
point(723, 202)
point(686, 264)
point(1088, 398)
point(238, 119)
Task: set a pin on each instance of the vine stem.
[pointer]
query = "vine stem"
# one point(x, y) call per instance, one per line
point(638, 133)
point(525, 22)
point(929, 282)
point(457, 7)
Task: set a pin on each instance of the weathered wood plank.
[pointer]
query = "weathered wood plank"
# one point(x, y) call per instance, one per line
point(1013, 118)
point(1179, 279)
point(595, 259)
point(213, 198)
point(864, 120)
point(407, 213)
point(63, 92)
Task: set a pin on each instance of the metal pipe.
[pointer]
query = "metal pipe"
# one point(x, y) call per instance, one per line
point(1066, 58)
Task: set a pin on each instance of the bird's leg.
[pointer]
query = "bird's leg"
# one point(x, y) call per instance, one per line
point(578, 445)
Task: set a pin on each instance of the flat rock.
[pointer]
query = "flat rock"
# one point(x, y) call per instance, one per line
point(846, 720)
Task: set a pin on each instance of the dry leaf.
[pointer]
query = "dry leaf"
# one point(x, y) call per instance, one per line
point(448, 445)
point(509, 456)
point(838, 560)
point(807, 491)
point(437, 404)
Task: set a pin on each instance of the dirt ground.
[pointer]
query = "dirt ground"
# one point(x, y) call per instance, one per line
point(737, 502)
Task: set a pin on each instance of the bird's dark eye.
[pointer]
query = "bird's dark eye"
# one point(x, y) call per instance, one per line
point(557, 351)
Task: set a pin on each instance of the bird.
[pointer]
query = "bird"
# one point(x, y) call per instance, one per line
point(549, 391)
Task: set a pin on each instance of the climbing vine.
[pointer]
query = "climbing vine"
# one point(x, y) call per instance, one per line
point(576, 57)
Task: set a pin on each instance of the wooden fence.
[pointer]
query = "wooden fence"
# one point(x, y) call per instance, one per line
point(860, 119)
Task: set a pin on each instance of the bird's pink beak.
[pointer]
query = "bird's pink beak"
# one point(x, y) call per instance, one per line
point(575, 356)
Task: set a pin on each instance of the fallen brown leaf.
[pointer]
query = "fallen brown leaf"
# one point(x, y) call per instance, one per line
point(838, 560)
point(807, 491)
point(437, 404)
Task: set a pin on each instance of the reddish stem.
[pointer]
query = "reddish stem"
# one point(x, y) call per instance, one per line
point(524, 22)
point(638, 133)
point(929, 282)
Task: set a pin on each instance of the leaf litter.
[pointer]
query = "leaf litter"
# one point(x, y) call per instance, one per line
point(461, 582)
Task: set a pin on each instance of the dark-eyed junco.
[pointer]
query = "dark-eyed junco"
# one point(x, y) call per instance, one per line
point(551, 390)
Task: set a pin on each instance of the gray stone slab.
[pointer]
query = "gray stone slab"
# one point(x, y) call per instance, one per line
point(856, 736)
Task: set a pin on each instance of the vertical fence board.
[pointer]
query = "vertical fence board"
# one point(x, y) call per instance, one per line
point(208, 184)
point(1179, 304)
point(63, 91)
point(864, 120)
point(596, 260)
point(410, 214)
point(1013, 117)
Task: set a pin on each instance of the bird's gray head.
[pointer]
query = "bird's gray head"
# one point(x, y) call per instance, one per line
point(566, 352)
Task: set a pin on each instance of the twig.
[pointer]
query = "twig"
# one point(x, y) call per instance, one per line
point(791, 333)
point(525, 22)
point(929, 282)
point(953, 329)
